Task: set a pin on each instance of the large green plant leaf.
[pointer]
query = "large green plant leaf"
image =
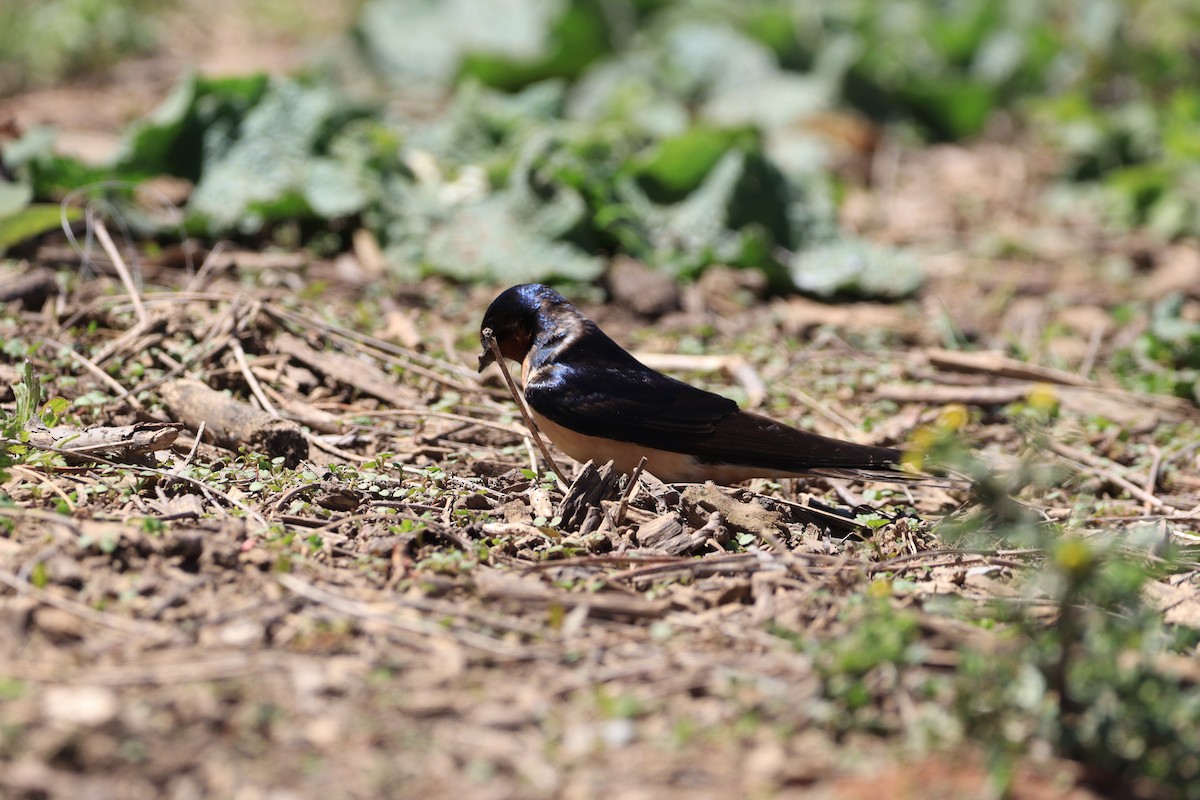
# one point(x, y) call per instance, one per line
point(503, 43)
point(31, 221)
point(198, 119)
point(275, 163)
point(856, 268)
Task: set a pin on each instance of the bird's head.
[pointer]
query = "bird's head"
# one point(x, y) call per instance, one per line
point(515, 318)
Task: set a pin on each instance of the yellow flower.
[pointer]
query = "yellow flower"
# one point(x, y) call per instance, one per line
point(920, 443)
point(1075, 557)
point(954, 417)
point(1042, 397)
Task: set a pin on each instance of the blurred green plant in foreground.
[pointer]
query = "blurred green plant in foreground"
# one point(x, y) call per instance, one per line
point(1082, 663)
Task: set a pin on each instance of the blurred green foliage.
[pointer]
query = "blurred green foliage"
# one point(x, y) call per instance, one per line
point(1082, 659)
point(1095, 682)
point(682, 132)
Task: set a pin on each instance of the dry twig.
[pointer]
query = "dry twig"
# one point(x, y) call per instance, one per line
point(491, 343)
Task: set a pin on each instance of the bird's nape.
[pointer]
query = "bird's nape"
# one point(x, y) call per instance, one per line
point(514, 319)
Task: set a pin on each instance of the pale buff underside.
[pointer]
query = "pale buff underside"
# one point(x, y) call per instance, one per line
point(664, 465)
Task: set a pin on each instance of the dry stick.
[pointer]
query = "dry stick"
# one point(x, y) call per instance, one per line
point(239, 355)
point(154, 301)
point(529, 451)
point(370, 341)
point(628, 495)
point(197, 280)
point(196, 669)
point(99, 374)
point(1152, 476)
point(32, 475)
point(490, 340)
point(326, 447)
point(214, 332)
point(1105, 468)
point(119, 264)
point(195, 446)
point(418, 412)
point(1089, 359)
point(410, 358)
point(846, 426)
point(1185, 599)
point(374, 611)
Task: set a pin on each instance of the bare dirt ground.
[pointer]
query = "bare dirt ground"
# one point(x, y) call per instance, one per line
point(411, 612)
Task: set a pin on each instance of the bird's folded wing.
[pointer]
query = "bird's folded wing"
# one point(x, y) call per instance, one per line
point(746, 438)
point(637, 405)
point(628, 404)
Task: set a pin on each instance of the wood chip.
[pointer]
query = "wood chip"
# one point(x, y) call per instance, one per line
point(666, 533)
point(699, 501)
point(590, 486)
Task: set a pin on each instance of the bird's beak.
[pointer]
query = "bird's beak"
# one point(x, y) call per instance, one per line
point(485, 358)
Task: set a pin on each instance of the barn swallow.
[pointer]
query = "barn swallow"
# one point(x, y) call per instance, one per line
point(596, 401)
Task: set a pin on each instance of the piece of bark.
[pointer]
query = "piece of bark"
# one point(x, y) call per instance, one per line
point(231, 423)
point(699, 501)
point(587, 490)
point(668, 534)
point(592, 521)
point(115, 443)
point(665, 496)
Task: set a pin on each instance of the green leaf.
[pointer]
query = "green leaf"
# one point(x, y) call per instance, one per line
point(42, 173)
point(274, 165)
point(578, 38)
point(194, 123)
point(950, 108)
point(492, 240)
point(28, 394)
point(856, 268)
point(14, 197)
point(33, 221)
point(505, 43)
point(678, 164)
